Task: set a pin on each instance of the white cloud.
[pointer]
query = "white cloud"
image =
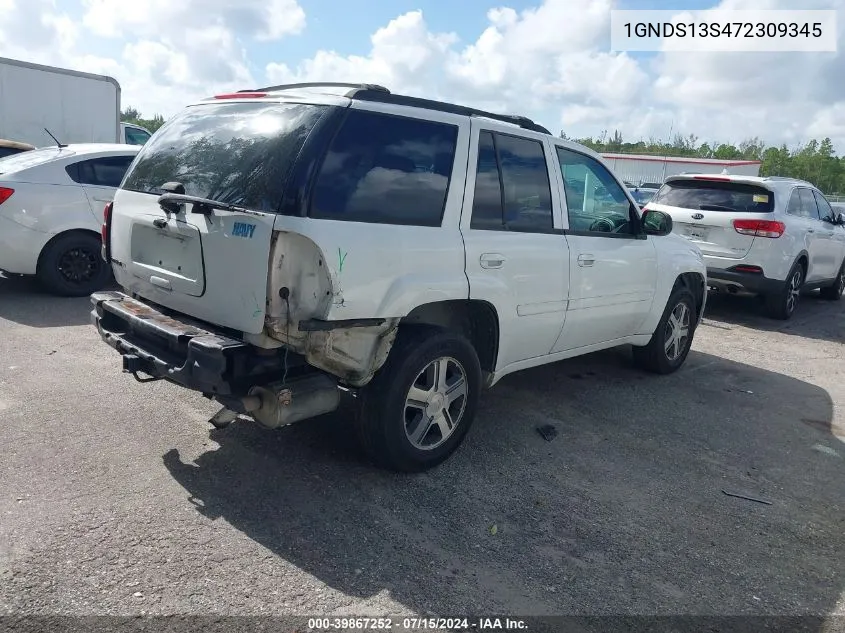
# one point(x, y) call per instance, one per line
point(261, 19)
point(551, 62)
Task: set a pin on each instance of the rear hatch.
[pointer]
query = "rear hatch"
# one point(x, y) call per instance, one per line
point(209, 261)
point(704, 208)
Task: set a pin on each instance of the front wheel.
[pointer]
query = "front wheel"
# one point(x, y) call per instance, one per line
point(672, 339)
point(782, 304)
point(418, 408)
point(834, 291)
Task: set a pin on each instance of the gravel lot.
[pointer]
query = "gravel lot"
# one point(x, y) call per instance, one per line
point(119, 498)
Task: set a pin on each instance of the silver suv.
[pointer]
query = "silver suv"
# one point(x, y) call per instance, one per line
point(769, 236)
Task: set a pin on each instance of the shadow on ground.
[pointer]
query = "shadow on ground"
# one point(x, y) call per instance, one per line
point(625, 512)
point(22, 300)
point(814, 318)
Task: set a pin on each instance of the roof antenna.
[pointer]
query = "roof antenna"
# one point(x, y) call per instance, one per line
point(58, 142)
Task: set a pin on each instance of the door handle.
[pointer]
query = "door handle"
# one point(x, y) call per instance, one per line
point(586, 260)
point(811, 230)
point(491, 260)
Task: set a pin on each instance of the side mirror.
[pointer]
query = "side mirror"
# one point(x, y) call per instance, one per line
point(839, 218)
point(656, 222)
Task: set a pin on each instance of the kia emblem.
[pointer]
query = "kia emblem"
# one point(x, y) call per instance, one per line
point(697, 216)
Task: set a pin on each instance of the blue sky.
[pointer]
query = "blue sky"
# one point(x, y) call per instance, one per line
point(548, 59)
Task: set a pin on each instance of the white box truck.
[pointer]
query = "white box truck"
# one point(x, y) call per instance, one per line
point(76, 107)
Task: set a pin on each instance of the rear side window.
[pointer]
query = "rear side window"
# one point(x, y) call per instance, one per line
point(386, 169)
point(102, 172)
point(238, 153)
point(716, 195)
point(512, 189)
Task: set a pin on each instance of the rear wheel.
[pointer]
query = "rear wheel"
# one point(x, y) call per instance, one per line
point(71, 265)
point(782, 305)
point(834, 291)
point(672, 339)
point(418, 408)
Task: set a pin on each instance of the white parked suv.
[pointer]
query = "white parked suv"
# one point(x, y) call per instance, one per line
point(769, 236)
point(281, 247)
point(51, 203)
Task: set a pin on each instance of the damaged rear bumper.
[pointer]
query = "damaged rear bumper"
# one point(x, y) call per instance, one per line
point(186, 353)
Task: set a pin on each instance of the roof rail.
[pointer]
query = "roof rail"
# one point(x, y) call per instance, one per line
point(322, 84)
point(380, 94)
point(442, 106)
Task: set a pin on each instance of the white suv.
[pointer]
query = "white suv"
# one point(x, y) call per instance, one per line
point(769, 236)
point(281, 246)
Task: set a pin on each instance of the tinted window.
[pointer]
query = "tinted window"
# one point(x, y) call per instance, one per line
point(525, 182)
point(595, 201)
point(487, 200)
point(386, 169)
point(808, 204)
point(239, 153)
point(825, 210)
point(715, 195)
point(135, 136)
point(102, 172)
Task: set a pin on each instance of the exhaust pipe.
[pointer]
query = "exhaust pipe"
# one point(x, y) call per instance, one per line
point(279, 404)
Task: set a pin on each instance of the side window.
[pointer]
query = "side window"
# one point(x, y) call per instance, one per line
point(794, 207)
point(525, 183)
point(825, 210)
point(487, 201)
point(512, 188)
point(100, 172)
point(135, 136)
point(595, 202)
point(808, 204)
point(386, 169)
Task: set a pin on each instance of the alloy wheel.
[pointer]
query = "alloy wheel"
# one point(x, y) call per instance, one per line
point(677, 331)
point(435, 403)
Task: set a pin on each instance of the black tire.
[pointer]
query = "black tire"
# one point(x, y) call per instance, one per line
point(71, 265)
point(383, 417)
point(654, 357)
point(782, 305)
point(834, 291)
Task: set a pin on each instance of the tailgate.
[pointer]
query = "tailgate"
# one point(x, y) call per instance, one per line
point(213, 267)
point(210, 265)
point(703, 211)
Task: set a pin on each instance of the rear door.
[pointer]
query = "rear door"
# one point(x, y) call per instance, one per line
point(807, 228)
point(703, 210)
point(516, 256)
point(100, 178)
point(212, 266)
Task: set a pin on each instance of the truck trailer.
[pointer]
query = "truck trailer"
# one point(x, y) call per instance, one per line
point(75, 107)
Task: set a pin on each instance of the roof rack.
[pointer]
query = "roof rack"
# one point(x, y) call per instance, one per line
point(323, 84)
point(442, 106)
point(380, 94)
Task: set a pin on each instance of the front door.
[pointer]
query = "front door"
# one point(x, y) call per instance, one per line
point(613, 265)
point(516, 257)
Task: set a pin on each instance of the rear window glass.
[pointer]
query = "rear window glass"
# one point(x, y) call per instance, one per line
point(238, 153)
point(714, 195)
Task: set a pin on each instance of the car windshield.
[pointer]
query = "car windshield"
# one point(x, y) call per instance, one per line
point(237, 153)
point(716, 195)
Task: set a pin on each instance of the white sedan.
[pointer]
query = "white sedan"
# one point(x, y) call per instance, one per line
point(51, 210)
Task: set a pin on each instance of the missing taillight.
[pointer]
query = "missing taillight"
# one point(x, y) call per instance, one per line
point(105, 232)
point(5, 194)
point(760, 228)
